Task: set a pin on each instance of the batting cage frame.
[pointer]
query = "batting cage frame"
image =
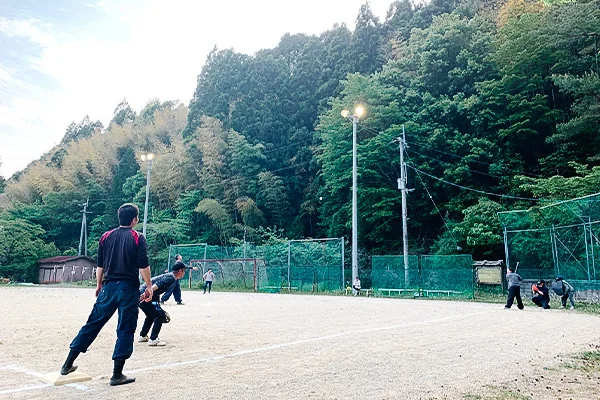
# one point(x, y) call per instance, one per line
point(556, 239)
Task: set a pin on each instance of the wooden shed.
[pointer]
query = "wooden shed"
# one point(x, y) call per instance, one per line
point(66, 269)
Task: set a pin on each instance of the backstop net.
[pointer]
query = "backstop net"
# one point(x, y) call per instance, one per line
point(390, 272)
point(230, 274)
point(427, 275)
point(297, 265)
point(556, 239)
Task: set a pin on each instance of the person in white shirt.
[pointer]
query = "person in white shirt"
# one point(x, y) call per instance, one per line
point(208, 277)
point(356, 286)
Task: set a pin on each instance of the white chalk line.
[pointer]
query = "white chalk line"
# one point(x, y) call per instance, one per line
point(303, 341)
point(24, 389)
point(16, 368)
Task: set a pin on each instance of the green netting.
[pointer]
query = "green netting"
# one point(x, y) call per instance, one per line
point(388, 272)
point(426, 275)
point(556, 239)
point(188, 252)
point(308, 265)
point(316, 265)
point(450, 275)
point(232, 274)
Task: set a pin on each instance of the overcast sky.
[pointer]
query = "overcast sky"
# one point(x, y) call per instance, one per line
point(63, 59)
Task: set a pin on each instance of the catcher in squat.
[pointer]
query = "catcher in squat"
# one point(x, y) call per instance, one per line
point(155, 315)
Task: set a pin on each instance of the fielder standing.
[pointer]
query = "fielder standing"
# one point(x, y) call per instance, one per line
point(122, 256)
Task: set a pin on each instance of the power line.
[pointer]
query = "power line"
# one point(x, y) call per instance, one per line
point(447, 163)
point(457, 156)
point(436, 208)
point(476, 190)
point(475, 161)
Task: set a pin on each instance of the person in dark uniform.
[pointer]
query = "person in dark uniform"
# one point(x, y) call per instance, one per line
point(514, 289)
point(122, 257)
point(175, 289)
point(540, 297)
point(155, 315)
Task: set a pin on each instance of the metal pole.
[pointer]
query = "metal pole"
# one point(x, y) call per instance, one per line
point(556, 251)
point(244, 263)
point(147, 195)
point(85, 231)
point(289, 262)
point(343, 260)
point(592, 246)
point(354, 203)
point(82, 229)
point(587, 253)
point(404, 208)
point(506, 249)
point(553, 255)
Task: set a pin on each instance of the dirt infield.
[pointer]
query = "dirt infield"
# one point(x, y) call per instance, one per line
point(269, 346)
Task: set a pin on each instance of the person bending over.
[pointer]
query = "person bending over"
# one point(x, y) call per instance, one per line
point(155, 315)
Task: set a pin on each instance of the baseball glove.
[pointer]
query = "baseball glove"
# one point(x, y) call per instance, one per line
point(167, 317)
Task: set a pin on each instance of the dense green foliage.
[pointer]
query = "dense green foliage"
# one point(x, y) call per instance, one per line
point(498, 96)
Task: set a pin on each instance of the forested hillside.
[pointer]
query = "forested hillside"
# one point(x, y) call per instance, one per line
point(502, 97)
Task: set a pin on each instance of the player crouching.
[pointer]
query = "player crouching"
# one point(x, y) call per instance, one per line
point(155, 315)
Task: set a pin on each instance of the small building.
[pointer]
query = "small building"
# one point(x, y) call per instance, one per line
point(489, 272)
point(66, 269)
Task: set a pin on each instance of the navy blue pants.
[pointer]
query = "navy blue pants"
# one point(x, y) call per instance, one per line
point(207, 284)
point(174, 290)
point(155, 317)
point(120, 296)
point(541, 301)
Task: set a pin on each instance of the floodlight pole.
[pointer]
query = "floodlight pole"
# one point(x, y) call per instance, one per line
point(354, 203)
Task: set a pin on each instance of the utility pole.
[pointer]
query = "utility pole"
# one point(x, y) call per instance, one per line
point(83, 234)
point(148, 158)
point(402, 183)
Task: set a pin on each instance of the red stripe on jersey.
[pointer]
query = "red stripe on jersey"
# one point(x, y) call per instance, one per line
point(136, 237)
point(105, 236)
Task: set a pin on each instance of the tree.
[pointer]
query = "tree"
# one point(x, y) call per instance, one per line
point(82, 130)
point(2, 181)
point(21, 247)
point(123, 114)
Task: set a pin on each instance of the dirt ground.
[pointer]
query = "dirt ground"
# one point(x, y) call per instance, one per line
point(270, 346)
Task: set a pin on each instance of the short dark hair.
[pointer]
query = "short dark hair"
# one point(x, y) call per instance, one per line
point(511, 269)
point(127, 212)
point(178, 256)
point(178, 266)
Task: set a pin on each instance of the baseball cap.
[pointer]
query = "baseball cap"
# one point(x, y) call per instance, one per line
point(541, 281)
point(178, 266)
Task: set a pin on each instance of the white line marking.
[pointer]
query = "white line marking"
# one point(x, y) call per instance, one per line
point(29, 372)
point(304, 341)
point(24, 389)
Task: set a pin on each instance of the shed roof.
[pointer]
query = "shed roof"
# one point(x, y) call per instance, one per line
point(486, 263)
point(63, 259)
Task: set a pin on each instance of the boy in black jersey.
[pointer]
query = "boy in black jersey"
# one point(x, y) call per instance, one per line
point(155, 315)
point(122, 256)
